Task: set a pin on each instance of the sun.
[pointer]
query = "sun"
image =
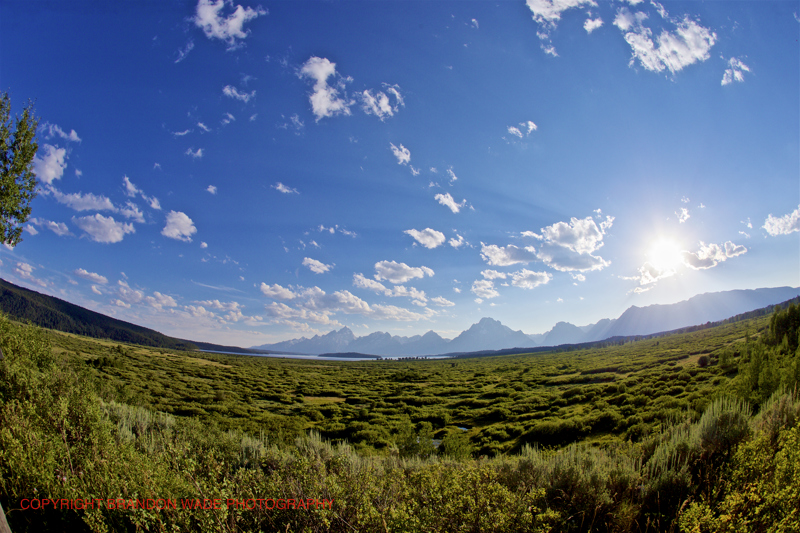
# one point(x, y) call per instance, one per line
point(665, 254)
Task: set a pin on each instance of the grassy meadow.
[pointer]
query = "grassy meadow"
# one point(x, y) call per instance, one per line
point(696, 431)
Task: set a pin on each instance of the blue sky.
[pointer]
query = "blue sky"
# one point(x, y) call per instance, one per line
point(247, 173)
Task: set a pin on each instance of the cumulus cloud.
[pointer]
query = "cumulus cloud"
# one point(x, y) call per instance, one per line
point(493, 274)
point(402, 154)
point(429, 238)
point(212, 189)
point(362, 282)
point(528, 279)
point(735, 71)
point(103, 229)
point(448, 201)
point(228, 28)
point(232, 92)
point(277, 292)
point(782, 225)
point(315, 266)
point(394, 272)
point(457, 241)
point(50, 166)
point(508, 255)
point(484, 288)
point(91, 276)
point(568, 246)
point(442, 302)
point(25, 271)
point(547, 14)
point(673, 51)
point(325, 100)
point(592, 24)
point(280, 187)
point(159, 301)
point(710, 255)
point(683, 215)
point(195, 154)
point(179, 227)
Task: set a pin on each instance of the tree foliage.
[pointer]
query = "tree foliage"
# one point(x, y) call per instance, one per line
point(18, 147)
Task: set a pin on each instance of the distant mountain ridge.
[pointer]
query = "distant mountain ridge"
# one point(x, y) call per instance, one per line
point(489, 334)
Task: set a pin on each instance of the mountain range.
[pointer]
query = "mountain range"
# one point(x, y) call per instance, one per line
point(489, 334)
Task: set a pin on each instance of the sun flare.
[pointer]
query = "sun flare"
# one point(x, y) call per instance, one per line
point(665, 254)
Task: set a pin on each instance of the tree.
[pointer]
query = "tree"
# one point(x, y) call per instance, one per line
point(18, 147)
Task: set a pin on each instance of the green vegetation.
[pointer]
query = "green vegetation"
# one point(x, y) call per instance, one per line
point(644, 436)
point(18, 147)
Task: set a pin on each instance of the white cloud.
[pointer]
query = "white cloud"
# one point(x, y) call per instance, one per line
point(429, 238)
point(448, 201)
point(394, 272)
point(683, 215)
point(131, 190)
point(528, 279)
point(451, 175)
point(547, 14)
point(362, 282)
point(592, 24)
point(457, 241)
point(91, 276)
point(51, 165)
point(402, 154)
point(185, 51)
point(59, 228)
point(688, 44)
point(380, 103)
point(212, 189)
point(179, 226)
point(509, 255)
point(484, 288)
point(315, 266)
point(196, 154)
point(442, 302)
point(735, 72)
point(30, 229)
point(103, 229)
point(203, 127)
point(96, 290)
point(227, 118)
point(204, 245)
point(284, 189)
point(493, 274)
point(711, 255)
point(127, 294)
point(132, 211)
point(229, 28)
point(53, 130)
point(325, 100)
point(82, 202)
point(159, 301)
point(782, 225)
point(513, 130)
point(568, 246)
point(181, 133)
point(232, 92)
point(277, 292)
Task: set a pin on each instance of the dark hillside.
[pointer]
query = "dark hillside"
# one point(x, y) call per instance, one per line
point(54, 313)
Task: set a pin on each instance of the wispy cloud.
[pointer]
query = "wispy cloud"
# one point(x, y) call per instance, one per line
point(91, 276)
point(448, 201)
point(183, 52)
point(232, 92)
point(402, 154)
point(735, 71)
point(53, 130)
point(280, 187)
point(194, 154)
